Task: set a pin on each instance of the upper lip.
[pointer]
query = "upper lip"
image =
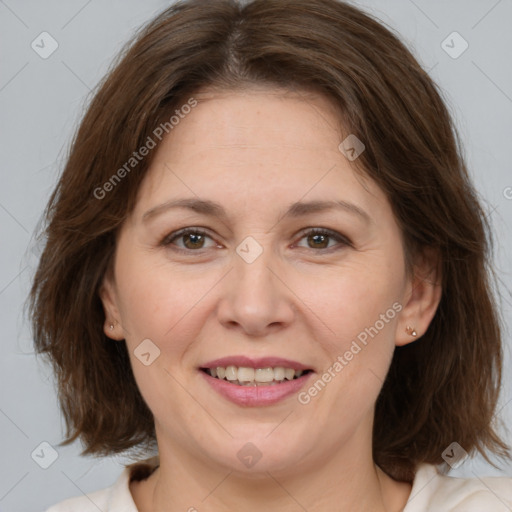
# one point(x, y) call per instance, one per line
point(260, 362)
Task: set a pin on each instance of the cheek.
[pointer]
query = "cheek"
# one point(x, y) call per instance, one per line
point(358, 316)
point(159, 301)
point(357, 309)
point(350, 298)
point(157, 304)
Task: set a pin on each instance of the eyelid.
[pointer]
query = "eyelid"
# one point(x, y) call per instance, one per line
point(340, 238)
point(185, 231)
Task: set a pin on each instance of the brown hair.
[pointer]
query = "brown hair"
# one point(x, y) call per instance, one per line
point(441, 388)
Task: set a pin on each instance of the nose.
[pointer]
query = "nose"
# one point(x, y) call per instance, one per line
point(256, 300)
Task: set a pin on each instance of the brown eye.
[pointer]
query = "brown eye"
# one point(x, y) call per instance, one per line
point(191, 239)
point(318, 241)
point(319, 238)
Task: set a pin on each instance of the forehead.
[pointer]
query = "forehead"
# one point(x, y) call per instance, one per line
point(252, 145)
point(259, 117)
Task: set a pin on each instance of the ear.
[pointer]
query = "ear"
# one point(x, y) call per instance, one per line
point(112, 326)
point(421, 299)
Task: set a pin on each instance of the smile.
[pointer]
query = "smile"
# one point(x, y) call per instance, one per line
point(246, 376)
point(251, 393)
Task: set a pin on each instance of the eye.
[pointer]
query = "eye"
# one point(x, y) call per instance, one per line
point(319, 238)
point(192, 238)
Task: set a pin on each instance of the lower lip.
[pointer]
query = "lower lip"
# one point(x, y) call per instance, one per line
point(254, 396)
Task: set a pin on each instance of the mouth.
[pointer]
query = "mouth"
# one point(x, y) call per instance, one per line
point(255, 377)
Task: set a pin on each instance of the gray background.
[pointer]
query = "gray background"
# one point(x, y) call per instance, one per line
point(41, 101)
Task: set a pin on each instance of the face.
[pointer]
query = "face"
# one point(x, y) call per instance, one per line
point(263, 274)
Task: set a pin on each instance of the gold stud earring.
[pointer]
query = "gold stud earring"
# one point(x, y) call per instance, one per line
point(411, 331)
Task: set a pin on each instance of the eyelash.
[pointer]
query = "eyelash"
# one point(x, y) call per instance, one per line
point(342, 240)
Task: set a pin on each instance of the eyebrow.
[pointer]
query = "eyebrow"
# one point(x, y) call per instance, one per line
point(295, 210)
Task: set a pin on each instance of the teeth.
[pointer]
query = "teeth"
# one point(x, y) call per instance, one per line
point(246, 374)
point(289, 373)
point(231, 373)
point(254, 376)
point(264, 375)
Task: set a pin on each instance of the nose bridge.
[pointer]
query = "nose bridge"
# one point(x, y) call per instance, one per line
point(256, 298)
point(252, 271)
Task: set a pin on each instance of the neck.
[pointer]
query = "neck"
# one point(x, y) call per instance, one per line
point(347, 480)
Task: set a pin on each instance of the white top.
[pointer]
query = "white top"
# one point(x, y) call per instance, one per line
point(431, 491)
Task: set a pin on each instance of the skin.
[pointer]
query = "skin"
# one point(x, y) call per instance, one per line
point(255, 152)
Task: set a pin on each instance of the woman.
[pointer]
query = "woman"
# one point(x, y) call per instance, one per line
point(266, 267)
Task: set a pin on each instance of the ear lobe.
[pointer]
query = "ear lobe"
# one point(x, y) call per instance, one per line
point(421, 300)
point(112, 326)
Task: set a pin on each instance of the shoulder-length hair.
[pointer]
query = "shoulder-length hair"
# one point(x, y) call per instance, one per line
point(443, 387)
